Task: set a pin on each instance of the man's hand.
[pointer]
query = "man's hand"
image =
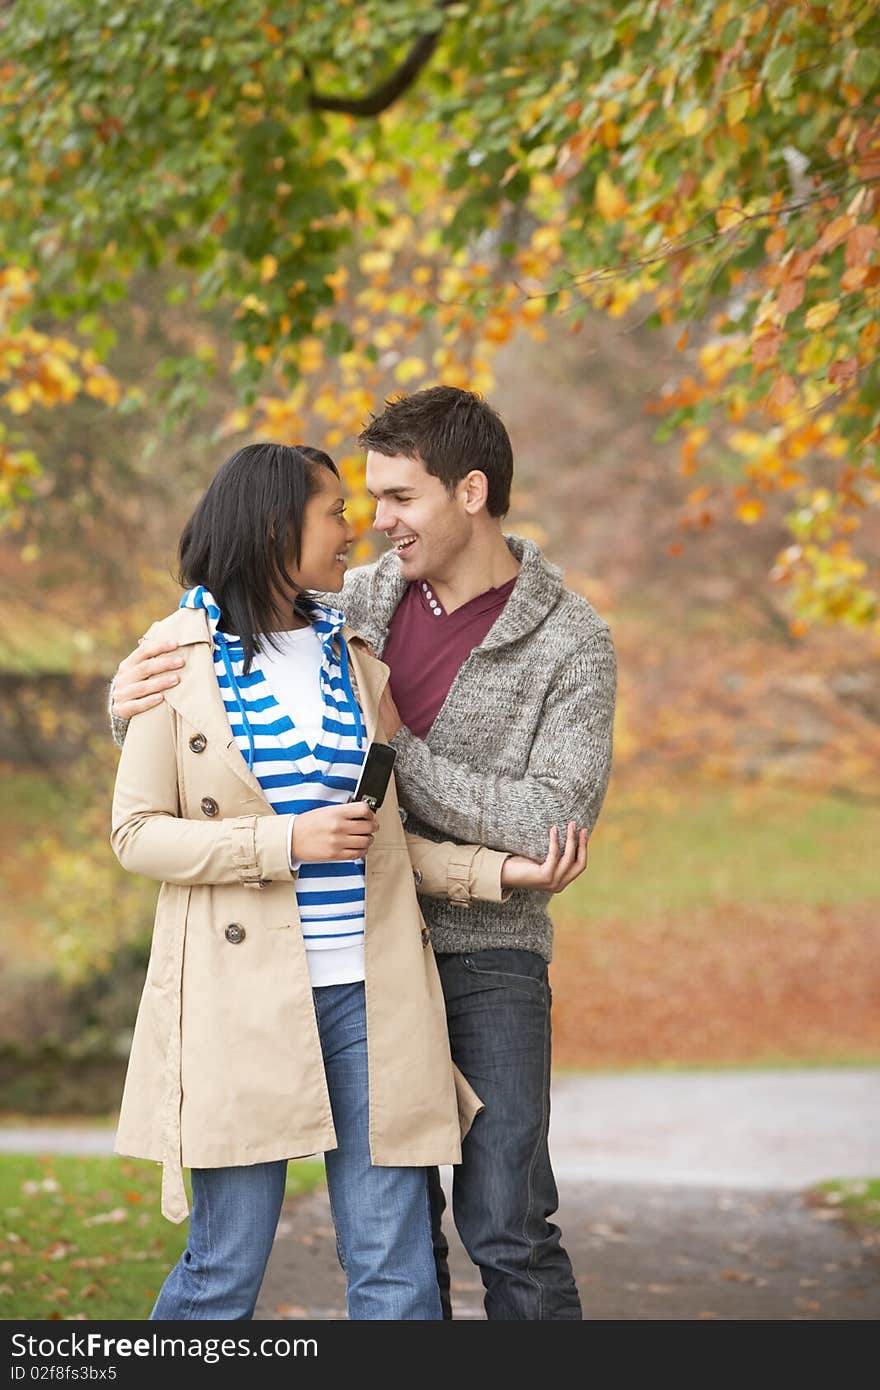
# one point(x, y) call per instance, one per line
point(559, 869)
point(144, 676)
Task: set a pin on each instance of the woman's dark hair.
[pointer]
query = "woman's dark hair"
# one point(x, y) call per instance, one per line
point(452, 432)
point(245, 529)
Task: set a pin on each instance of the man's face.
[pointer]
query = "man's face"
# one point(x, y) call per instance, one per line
point(426, 527)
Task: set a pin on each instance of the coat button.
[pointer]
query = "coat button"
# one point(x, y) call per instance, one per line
point(209, 806)
point(426, 936)
point(402, 814)
point(198, 743)
point(417, 875)
point(235, 933)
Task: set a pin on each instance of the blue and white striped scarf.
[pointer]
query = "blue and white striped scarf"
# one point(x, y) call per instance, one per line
point(295, 776)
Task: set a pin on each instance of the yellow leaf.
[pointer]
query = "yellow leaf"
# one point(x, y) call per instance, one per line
point(541, 156)
point(103, 388)
point(374, 262)
point(822, 314)
point(750, 510)
point(815, 355)
point(694, 121)
point(728, 215)
point(409, 369)
point(736, 106)
point(547, 238)
point(268, 269)
point(19, 401)
point(610, 201)
point(235, 422)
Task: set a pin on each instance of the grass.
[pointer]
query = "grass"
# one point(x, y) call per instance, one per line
point(857, 1198)
point(84, 1237)
point(701, 844)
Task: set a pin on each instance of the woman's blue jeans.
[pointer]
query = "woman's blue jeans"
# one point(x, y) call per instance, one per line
point(381, 1215)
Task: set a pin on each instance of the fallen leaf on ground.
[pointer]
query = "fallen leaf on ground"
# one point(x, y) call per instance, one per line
point(103, 1217)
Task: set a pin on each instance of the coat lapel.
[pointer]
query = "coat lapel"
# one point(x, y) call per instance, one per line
point(370, 678)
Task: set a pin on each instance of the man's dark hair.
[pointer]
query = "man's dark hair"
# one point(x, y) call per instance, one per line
point(245, 529)
point(451, 432)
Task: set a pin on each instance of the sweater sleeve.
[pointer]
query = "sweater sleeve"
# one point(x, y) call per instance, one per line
point(568, 768)
point(118, 727)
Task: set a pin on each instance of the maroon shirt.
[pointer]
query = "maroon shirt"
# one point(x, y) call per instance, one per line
point(427, 646)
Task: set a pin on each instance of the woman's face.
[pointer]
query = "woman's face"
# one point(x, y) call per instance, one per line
point(326, 537)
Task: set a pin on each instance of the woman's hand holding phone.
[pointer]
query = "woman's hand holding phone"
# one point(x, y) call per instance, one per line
point(333, 833)
point(561, 867)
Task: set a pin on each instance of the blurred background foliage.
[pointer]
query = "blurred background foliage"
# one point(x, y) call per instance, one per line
point(651, 232)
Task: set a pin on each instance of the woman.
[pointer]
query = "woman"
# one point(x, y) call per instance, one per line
point(292, 1003)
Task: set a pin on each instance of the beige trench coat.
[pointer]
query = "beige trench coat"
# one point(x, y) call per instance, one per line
point(226, 1065)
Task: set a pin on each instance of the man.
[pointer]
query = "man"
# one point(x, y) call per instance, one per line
point(505, 685)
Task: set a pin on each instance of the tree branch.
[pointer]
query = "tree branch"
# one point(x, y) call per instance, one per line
point(385, 95)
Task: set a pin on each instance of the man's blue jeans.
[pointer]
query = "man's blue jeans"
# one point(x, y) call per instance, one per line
point(381, 1215)
point(498, 1011)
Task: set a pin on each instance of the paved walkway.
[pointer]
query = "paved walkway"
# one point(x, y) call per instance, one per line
point(680, 1199)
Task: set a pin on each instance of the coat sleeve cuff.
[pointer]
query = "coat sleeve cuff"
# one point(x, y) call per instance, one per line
point(486, 876)
point(475, 873)
point(262, 849)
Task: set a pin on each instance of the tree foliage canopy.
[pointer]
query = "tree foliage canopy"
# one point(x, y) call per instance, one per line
point(394, 185)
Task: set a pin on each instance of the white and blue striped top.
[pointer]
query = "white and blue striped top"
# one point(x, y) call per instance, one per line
point(295, 776)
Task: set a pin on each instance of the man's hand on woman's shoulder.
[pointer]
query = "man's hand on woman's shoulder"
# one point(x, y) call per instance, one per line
point(143, 677)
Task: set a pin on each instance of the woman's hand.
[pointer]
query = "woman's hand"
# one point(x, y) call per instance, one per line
point(558, 870)
point(144, 676)
point(334, 832)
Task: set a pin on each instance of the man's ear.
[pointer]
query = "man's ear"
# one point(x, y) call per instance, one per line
point(474, 491)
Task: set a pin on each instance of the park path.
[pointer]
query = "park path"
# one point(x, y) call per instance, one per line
point(681, 1198)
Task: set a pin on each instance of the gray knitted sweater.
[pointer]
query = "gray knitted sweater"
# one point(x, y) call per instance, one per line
point(522, 742)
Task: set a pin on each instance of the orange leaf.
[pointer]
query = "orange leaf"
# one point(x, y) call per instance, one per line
point(765, 348)
point(782, 392)
point(853, 279)
point(839, 373)
point(791, 296)
point(836, 232)
point(860, 244)
point(775, 242)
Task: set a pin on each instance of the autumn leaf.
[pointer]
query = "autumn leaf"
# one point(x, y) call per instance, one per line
point(610, 201)
point(820, 315)
point(782, 393)
point(843, 371)
point(791, 295)
point(861, 244)
point(765, 347)
point(750, 510)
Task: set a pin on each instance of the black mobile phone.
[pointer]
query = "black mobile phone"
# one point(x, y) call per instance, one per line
point(375, 775)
